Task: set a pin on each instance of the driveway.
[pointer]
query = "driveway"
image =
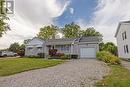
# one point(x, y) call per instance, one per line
point(75, 73)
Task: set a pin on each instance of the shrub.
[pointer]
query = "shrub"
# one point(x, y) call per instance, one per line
point(52, 52)
point(33, 56)
point(108, 57)
point(59, 54)
point(41, 55)
point(67, 56)
point(74, 56)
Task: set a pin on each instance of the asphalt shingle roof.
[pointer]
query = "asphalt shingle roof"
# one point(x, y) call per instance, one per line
point(81, 39)
point(60, 40)
point(90, 39)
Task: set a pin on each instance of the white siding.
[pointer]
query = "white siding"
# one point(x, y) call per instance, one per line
point(34, 44)
point(121, 42)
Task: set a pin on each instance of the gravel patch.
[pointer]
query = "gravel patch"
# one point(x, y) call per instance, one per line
point(75, 73)
point(126, 64)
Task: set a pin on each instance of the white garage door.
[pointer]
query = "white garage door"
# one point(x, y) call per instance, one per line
point(87, 53)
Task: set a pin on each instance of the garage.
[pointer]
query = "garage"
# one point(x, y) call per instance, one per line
point(87, 53)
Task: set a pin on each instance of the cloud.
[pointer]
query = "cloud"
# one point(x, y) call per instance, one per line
point(107, 16)
point(29, 16)
point(71, 10)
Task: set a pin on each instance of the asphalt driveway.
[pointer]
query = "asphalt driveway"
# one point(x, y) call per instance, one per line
point(76, 73)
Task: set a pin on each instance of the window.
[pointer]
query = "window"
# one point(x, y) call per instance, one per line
point(39, 48)
point(124, 49)
point(124, 36)
point(64, 48)
point(127, 49)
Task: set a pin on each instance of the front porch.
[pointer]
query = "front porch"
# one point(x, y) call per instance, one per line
point(66, 48)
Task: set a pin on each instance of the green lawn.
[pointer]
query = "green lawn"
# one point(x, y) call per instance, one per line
point(17, 65)
point(120, 77)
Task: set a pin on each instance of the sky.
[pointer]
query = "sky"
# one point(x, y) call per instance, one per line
point(30, 15)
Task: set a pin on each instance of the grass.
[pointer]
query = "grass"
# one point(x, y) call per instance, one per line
point(119, 77)
point(17, 65)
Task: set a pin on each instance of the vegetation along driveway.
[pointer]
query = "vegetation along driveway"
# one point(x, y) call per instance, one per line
point(76, 73)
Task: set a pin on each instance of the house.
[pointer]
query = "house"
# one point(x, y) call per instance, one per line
point(34, 46)
point(123, 39)
point(84, 47)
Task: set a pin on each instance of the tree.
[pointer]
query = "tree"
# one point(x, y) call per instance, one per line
point(48, 32)
point(3, 25)
point(90, 32)
point(21, 50)
point(101, 46)
point(26, 41)
point(71, 30)
point(15, 47)
point(109, 46)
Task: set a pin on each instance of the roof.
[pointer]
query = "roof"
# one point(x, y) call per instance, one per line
point(74, 40)
point(90, 39)
point(60, 41)
point(33, 39)
point(123, 22)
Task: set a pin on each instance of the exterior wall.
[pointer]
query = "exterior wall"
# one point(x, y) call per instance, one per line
point(33, 52)
point(121, 42)
point(34, 47)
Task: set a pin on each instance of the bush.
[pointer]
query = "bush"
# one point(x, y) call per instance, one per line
point(41, 55)
point(108, 57)
point(74, 56)
point(52, 52)
point(67, 56)
point(59, 54)
point(33, 56)
point(70, 56)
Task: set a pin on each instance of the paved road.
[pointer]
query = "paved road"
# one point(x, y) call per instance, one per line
point(76, 73)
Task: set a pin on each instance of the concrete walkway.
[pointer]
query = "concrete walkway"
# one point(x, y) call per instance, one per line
point(76, 73)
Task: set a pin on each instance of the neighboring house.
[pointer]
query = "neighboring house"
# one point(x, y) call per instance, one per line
point(34, 46)
point(84, 47)
point(123, 39)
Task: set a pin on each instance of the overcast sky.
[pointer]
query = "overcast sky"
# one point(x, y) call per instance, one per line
point(30, 15)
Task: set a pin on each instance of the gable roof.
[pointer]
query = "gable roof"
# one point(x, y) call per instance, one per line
point(60, 41)
point(35, 38)
point(123, 22)
point(74, 40)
